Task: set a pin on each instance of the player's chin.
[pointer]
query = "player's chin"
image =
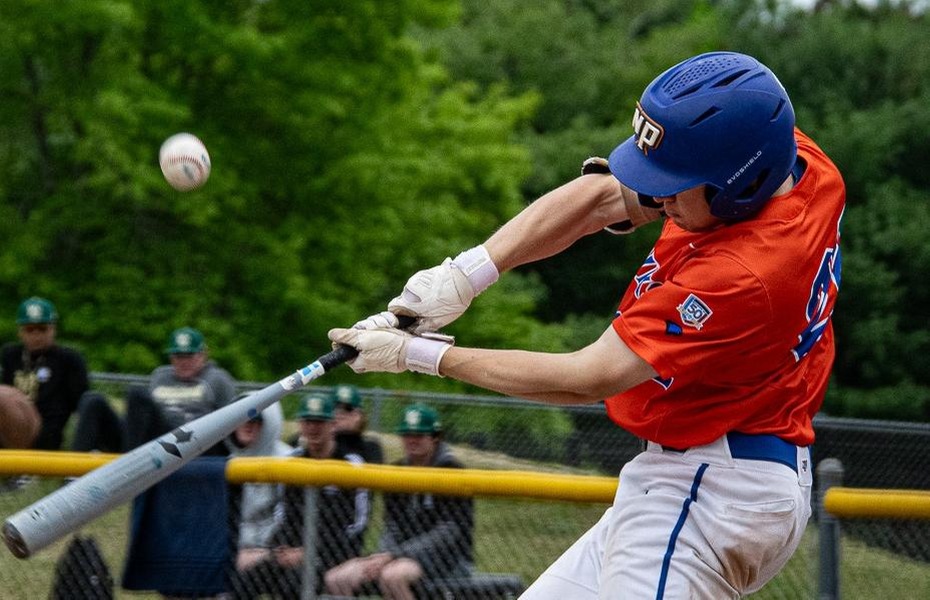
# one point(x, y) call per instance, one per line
point(694, 225)
point(680, 221)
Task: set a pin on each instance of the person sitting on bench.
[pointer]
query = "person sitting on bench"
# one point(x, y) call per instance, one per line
point(425, 537)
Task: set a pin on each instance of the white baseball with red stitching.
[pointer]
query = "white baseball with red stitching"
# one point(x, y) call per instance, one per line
point(184, 161)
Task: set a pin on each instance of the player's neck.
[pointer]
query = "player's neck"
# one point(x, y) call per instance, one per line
point(786, 186)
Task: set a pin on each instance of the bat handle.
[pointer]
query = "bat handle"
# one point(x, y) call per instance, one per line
point(343, 353)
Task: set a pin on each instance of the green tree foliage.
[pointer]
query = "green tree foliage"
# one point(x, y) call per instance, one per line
point(354, 143)
point(586, 63)
point(860, 81)
point(342, 162)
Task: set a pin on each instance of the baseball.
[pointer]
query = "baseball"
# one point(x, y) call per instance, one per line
point(184, 161)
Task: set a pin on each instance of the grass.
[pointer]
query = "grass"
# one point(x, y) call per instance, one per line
point(31, 579)
point(512, 536)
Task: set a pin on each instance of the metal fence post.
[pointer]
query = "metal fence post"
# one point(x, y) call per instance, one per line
point(311, 549)
point(829, 474)
point(374, 417)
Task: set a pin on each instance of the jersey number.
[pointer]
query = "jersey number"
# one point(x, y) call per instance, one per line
point(820, 304)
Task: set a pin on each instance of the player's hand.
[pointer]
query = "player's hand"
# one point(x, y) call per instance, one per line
point(389, 350)
point(289, 557)
point(440, 295)
point(381, 320)
point(249, 557)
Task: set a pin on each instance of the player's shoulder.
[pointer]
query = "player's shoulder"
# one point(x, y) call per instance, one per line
point(69, 354)
point(214, 373)
point(447, 460)
point(11, 349)
point(161, 374)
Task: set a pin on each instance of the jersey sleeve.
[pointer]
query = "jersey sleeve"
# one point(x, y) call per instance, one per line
point(702, 323)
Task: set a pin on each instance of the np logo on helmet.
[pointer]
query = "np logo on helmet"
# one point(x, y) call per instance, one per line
point(648, 133)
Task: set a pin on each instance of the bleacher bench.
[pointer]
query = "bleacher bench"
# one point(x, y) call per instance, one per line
point(478, 586)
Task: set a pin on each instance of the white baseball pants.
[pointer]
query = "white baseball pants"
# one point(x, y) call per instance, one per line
point(689, 524)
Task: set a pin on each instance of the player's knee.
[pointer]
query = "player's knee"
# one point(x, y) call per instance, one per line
point(342, 579)
point(400, 572)
point(334, 582)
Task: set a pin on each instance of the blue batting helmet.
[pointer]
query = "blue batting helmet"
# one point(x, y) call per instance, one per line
point(719, 119)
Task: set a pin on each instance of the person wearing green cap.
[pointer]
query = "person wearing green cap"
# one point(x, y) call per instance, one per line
point(342, 514)
point(189, 387)
point(351, 422)
point(425, 536)
point(53, 376)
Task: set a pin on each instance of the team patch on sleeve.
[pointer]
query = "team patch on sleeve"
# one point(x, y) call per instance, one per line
point(694, 312)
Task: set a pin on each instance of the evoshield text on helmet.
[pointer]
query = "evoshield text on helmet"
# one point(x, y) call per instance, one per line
point(720, 119)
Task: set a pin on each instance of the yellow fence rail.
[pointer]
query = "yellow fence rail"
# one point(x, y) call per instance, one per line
point(309, 472)
point(855, 503)
point(842, 502)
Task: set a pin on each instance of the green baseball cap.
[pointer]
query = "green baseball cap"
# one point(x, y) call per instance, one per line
point(185, 340)
point(419, 419)
point(315, 407)
point(36, 310)
point(347, 394)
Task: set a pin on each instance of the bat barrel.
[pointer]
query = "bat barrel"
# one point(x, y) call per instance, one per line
point(80, 501)
point(84, 499)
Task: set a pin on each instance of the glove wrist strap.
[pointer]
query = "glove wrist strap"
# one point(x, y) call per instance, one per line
point(424, 354)
point(478, 268)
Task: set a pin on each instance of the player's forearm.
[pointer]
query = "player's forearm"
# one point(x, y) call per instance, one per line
point(556, 220)
point(531, 375)
point(597, 371)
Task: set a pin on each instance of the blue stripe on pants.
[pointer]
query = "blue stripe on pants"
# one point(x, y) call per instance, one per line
point(666, 561)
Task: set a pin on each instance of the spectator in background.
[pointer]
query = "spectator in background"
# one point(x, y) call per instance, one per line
point(351, 422)
point(52, 376)
point(19, 420)
point(259, 504)
point(177, 393)
point(425, 536)
point(342, 518)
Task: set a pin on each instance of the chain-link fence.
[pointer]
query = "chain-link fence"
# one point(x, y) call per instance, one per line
point(484, 548)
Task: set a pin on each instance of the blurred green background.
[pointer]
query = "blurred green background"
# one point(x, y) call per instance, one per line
point(354, 143)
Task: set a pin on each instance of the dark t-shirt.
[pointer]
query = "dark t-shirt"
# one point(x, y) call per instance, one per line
point(54, 379)
point(434, 530)
point(342, 519)
point(365, 446)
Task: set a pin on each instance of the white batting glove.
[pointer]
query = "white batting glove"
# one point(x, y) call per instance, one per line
point(440, 295)
point(389, 350)
point(381, 320)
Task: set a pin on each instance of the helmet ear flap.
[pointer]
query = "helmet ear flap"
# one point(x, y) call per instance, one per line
point(720, 202)
point(750, 190)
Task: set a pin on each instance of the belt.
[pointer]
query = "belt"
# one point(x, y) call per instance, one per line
point(758, 447)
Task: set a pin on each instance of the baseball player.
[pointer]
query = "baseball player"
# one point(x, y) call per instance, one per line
point(719, 353)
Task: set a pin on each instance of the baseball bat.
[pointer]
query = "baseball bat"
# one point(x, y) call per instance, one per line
point(84, 499)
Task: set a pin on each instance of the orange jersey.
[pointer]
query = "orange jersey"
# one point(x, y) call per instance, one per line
point(736, 321)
